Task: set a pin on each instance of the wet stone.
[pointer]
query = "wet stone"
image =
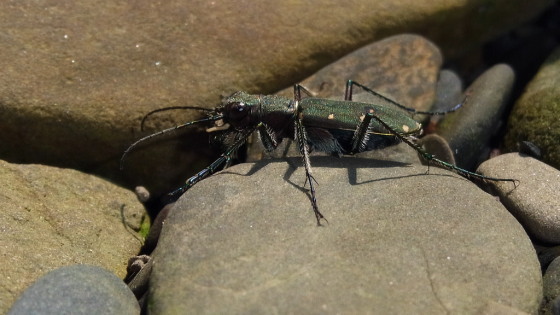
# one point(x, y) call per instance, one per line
point(397, 241)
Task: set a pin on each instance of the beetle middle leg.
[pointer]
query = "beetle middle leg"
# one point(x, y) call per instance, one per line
point(301, 138)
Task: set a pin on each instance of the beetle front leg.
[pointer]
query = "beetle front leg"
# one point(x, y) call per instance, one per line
point(268, 137)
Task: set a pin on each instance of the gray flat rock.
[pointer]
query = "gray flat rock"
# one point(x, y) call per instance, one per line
point(398, 241)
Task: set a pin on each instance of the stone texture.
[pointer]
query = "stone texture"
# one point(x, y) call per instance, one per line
point(398, 241)
point(51, 217)
point(494, 308)
point(535, 114)
point(534, 202)
point(78, 76)
point(78, 289)
point(404, 68)
point(469, 129)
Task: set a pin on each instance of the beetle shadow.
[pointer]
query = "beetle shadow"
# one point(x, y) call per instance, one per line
point(352, 164)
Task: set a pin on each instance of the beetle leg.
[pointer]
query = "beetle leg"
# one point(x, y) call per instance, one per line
point(432, 159)
point(361, 135)
point(301, 138)
point(349, 91)
point(224, 159)
point(268, 137)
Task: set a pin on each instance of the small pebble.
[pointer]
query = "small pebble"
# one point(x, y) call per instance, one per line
point(142, 194)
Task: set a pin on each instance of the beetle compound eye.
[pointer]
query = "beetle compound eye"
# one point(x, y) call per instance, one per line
point(237, 111)
point(239, 107)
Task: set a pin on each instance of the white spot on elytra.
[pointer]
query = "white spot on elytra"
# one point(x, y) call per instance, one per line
point(331, 116)
point(362, 117)
point(405, 128)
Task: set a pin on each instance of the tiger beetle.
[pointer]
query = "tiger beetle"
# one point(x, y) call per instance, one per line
point(331, 126)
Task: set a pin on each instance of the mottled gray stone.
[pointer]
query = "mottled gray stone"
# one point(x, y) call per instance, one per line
point(398, 241)
point(78, 289)
point(534, 202)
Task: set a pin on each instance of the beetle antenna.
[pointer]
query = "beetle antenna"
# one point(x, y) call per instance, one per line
point(159, 133)
point(170, 108)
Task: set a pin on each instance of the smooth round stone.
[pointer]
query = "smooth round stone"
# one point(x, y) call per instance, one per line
point(449, 90)
point(397, 240)
point(469, 129)
point(534, 199)
point(78, 289)
point(437, 146)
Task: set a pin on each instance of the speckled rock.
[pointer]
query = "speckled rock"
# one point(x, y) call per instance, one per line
point(52, 217)
point(78, 76)
point(397, 241)
point(535, 114)
point(534, 201)
point(78, 289)
point(469, 129)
